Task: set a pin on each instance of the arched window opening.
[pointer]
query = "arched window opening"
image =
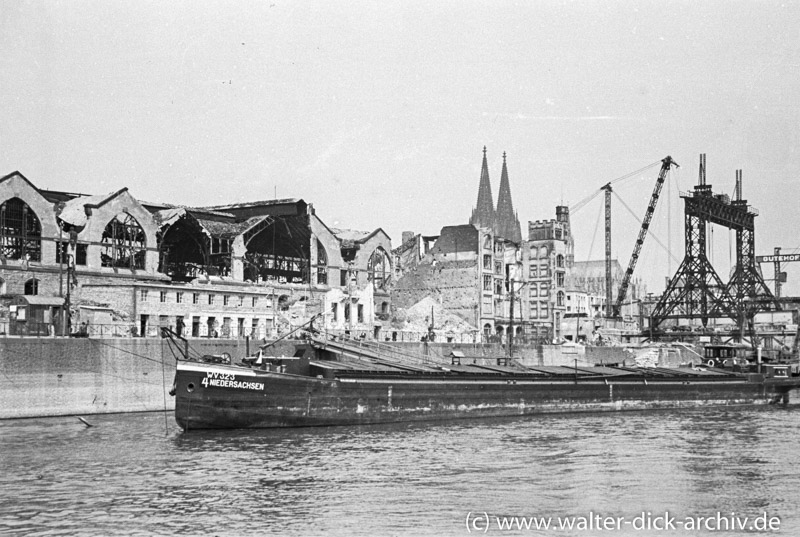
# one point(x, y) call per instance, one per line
point(560, 260)
point(322, 264)
point(183, 252)
point(123, 243)
point(379, 268)
point(20, 231)
point(487, 330)
point(382, 312)
point(32, 287)
point(560, 298)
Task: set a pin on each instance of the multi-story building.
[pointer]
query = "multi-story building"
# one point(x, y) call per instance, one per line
point(468, 267)
point(256, 269)
point(466, 272)
point(547, 257)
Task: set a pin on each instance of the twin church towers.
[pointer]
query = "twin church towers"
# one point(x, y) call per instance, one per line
point(503, 220)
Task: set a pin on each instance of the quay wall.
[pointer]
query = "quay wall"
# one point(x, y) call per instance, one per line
point(68, 376)
point(54, 376)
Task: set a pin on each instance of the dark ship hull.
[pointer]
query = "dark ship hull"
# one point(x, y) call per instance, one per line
point(329, 383)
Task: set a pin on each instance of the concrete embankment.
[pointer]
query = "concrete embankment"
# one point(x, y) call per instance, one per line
point(60, 376)
point(67, 376)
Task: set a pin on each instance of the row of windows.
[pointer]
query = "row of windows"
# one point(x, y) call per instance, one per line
point(347, 312)
point(210, 299)
point(543, 289)
point(544, 253)
point(488, 264)
point(544, 292)
point(543, 272)
point(230, 327)
point(540, 310)
point(540, 271)
point(378, 272)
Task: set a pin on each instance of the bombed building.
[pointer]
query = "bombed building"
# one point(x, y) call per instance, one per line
point(487, 275)
point(469, 269)
point(112, 263)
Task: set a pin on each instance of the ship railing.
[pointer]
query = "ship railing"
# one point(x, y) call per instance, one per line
point(415, 336)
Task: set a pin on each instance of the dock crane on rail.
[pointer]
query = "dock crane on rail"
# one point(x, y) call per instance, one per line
point(666, 165)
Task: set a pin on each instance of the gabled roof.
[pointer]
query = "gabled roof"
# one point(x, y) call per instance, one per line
point(74, 211)
point(18, 174)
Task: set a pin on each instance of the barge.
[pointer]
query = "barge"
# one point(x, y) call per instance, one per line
point(328, 381)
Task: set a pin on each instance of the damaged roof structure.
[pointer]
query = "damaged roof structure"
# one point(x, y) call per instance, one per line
point(112, 239)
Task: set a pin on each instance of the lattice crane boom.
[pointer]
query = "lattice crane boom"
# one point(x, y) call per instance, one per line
point(666, 164)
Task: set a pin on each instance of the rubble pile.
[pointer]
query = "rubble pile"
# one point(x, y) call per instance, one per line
point(417, 318)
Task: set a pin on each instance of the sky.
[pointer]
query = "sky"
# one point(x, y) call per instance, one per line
point(377, 112)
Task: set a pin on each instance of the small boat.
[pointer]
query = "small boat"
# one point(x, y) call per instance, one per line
point(323, 380)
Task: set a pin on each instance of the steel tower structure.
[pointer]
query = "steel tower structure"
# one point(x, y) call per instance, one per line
point(696, 291)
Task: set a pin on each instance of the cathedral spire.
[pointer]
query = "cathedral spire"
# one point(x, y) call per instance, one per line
point(483, 213)
point(507, 222)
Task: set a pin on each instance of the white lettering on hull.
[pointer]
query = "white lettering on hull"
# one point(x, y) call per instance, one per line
point(229, 381)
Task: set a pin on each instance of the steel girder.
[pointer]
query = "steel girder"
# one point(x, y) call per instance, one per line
point(696, 291)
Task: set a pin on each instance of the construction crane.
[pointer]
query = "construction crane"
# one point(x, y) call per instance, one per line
point(666, 164)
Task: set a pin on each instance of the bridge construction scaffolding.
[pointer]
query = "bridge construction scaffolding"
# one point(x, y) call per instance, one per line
point(696, 291)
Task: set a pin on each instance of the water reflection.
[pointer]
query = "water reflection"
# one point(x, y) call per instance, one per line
point(139, 475)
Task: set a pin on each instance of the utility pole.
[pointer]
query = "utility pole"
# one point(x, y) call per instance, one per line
point(511, 314)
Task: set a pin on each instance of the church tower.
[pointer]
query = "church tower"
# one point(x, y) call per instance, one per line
point(506, 219)
point(483, 213)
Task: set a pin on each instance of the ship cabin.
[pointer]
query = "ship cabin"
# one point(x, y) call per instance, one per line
point(727, 356)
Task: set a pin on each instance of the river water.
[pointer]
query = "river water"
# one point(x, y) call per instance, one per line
point(138, 474)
